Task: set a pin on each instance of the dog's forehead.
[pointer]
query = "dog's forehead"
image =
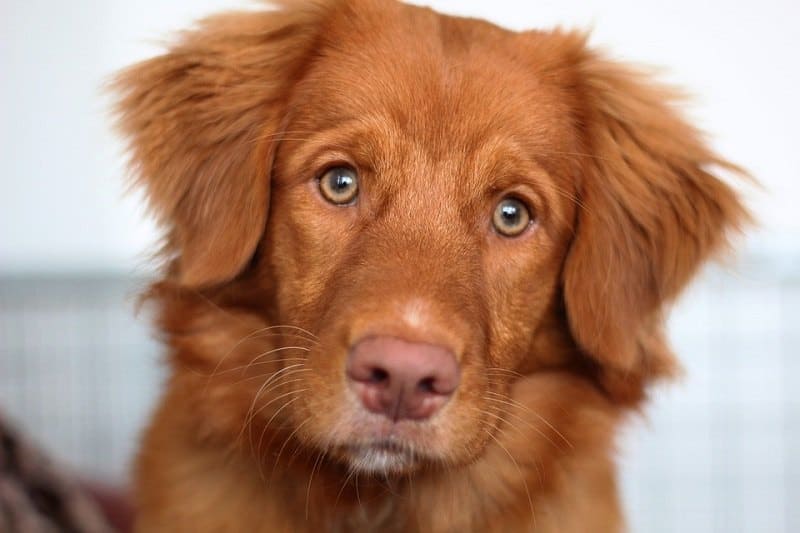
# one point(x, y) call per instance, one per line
point(448, 82)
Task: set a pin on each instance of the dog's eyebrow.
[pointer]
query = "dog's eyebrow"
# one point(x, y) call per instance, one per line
point(348, 142)
point(503, 160)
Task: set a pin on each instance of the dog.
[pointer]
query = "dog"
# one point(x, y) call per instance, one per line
point(416, 269)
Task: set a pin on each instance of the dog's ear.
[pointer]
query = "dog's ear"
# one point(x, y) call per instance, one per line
point(651, 212)
point(201, 121)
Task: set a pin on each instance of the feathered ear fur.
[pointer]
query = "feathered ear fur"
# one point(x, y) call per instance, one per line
point(202, 121)
point(651, 213)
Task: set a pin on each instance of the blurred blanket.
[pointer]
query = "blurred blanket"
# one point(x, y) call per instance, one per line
point(36, 495)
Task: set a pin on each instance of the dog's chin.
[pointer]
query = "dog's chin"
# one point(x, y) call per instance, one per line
point(386, 457)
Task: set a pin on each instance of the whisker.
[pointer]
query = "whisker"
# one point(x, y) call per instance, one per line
point(505, 421)
point(249, 424)
point(526, 422)
point(253, 335)
point(275, 414)
point(514, 403)
point(286, 441)
point(297, 328)
point(499, 370)
point(270, 352)
point(522, 476)
point(501, 430)
point(244, 367)
point(276, 385)
point(351, 472)
point(262, 376)
point(310, 479)
point(358, 497)
point(275, 375)
point(410, 479)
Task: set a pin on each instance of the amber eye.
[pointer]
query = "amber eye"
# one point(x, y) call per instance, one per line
point(339, 185)
point(511, 217)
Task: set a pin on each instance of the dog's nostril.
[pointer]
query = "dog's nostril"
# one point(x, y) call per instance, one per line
point(378, 375)
point(427, 385)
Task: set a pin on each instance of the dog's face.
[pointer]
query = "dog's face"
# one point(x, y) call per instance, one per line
point(421, 203)
point(444, 205)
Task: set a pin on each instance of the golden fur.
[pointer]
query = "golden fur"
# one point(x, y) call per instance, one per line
point(558, 332)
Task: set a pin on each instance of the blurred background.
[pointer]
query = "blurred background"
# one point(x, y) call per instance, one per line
point(718, 451)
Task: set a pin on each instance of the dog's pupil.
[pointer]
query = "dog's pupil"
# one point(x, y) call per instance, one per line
point(342, 182)
point(510, 213)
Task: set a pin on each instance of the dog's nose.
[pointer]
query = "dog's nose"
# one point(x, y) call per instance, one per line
point(401, 379)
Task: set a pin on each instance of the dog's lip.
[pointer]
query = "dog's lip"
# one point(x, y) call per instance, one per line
point(382, 455)
point(398, 448)
point(392, 446)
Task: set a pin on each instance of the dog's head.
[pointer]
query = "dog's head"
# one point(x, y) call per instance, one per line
point(425, 208)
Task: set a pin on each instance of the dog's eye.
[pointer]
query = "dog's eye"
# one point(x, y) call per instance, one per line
point(511, 217)
point(339, 185)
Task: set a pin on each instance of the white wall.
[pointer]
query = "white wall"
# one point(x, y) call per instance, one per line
point(61, 194)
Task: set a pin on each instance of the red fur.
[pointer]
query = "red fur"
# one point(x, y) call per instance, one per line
point(558, 332)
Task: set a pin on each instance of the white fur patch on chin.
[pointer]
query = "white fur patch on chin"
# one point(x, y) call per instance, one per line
point(379, 460)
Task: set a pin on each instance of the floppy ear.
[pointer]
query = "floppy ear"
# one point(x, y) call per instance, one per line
point(651, 213)
point(201, 121)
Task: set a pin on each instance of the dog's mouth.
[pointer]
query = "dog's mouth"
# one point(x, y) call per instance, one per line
point(383, 456)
